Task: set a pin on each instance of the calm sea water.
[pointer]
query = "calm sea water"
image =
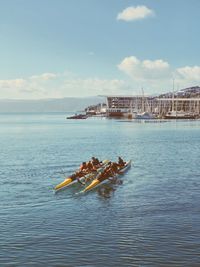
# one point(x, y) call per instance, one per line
point(151, 219)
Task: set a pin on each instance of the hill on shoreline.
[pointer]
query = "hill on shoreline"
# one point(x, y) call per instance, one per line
point(67, 104)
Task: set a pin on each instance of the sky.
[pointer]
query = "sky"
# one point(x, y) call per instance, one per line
point(63, 48)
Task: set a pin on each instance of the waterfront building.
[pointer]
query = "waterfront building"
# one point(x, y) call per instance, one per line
point(119, 105)
point(185, 101)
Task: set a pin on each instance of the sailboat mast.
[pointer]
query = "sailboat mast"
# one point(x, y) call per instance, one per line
point(143, 100)
point(173, 97)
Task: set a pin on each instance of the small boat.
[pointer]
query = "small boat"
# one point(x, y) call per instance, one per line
point(179, 115)
point(144, 116)
point(78, 117)
point(96, 183)
point(88, 177)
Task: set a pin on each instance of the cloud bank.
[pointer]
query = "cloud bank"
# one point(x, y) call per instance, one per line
point(59, 85)
point(157, 75)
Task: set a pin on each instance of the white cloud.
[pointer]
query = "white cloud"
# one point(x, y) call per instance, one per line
point(45, 76)
point(13, 83)
point(63, 85)
point(189, 73)
point(146, 69)
point(158, 64)
point(154, 75)
point(157, 75)
point(30, 87)
point(135, 13)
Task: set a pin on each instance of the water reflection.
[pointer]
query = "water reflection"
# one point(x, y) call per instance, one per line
point(107, 190)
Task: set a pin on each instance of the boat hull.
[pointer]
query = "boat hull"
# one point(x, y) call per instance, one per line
point(66, 182)
point(180, 117)
point(144, 116)
point(115, 114)
point(78, 117)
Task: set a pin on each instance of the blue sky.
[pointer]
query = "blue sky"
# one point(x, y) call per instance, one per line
point(59, 48)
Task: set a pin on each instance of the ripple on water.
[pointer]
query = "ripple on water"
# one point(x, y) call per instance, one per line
point(150, 219)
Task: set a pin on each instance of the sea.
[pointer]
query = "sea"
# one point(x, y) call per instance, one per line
point(149, 217)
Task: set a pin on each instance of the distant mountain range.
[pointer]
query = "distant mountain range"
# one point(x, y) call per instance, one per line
point(49, 105)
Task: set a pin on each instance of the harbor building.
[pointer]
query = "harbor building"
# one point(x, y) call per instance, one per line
point(182, 104)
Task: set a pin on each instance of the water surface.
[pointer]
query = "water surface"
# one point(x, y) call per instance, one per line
point(151, 219)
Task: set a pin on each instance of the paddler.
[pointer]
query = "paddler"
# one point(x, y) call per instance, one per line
point(114, 167)
point(121, 162)
point(83, 167)
point(91, 167)
point(108, 172)
point(96, 162)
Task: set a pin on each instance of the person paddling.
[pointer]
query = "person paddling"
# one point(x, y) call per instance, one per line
point(90, 167)
point(107, 172)
point(103, 176)
point(115, 168)
point(83, 167)
point(96, 162)
point(121, 162)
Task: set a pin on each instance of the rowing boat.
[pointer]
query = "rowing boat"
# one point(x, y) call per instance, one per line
point(96, 183)
point(88, 177)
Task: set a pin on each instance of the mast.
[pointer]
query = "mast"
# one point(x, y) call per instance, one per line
point(143, 100)
point(173, 97)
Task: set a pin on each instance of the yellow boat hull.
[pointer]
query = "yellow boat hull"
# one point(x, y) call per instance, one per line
point(63, 184)
point(92, 185)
